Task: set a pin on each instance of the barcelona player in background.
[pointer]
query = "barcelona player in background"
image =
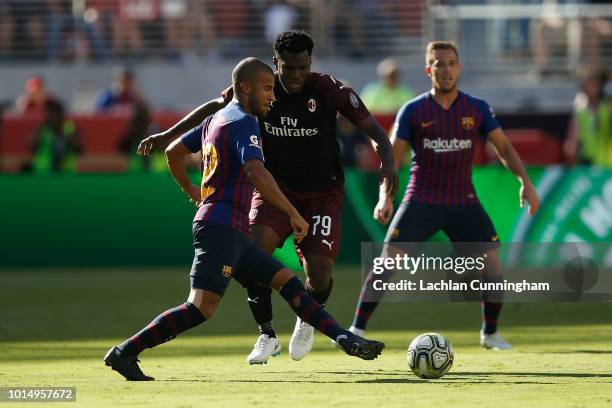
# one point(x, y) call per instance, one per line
point(442, 127)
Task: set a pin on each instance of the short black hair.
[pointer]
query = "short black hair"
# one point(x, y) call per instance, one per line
point(246, 71)
point(293, 41)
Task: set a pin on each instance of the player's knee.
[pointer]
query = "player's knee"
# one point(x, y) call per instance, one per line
point(319, 281)
point(206, 302)
point(207, 309)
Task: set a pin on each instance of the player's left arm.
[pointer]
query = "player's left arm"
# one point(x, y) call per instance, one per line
point(388, 171)
point(511, 160)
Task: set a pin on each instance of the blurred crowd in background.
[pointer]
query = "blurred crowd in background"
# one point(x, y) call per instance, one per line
point(182, 30)
point(67, 30)
point(131, 32)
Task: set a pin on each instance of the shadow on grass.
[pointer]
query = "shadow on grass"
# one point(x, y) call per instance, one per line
point(404, 377)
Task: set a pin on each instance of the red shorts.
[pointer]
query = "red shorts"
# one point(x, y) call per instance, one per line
point(322, 209)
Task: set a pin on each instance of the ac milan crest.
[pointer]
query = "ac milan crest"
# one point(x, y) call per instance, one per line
point(312, 105)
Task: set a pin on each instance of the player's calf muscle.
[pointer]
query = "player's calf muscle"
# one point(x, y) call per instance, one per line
point(318, 270)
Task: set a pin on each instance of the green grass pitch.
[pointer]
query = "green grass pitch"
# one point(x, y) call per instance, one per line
point(56, 325)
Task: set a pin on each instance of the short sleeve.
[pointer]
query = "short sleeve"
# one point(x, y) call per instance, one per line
point(403, 123)
point(247, 140)
point(343, 99)
point(489, 121)
point(193, 139)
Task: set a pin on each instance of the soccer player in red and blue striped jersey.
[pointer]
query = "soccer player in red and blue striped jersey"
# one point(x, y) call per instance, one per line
point(232, 167)
point(442, 127)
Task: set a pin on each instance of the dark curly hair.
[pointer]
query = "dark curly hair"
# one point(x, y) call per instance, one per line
point(293, 41)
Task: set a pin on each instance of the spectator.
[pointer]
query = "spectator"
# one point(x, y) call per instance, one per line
point(56, 143)
point(232, 20)
point(6, 29)
point(36, 96)
point(348, 30)
point(205, 30)
point(29, 36)
point(59, 28)
point(596, 37)
point(127, 37)
point(123, 96)
point(99, 17)
point(279, 16)
point(589, 138)
point(387, 95)
point(179, 27)
point(377, 23)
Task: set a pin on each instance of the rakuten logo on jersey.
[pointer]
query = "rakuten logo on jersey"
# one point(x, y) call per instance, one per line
point(444, 145)
point(289, 128)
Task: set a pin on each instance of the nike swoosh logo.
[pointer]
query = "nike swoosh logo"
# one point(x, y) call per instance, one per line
point(252, 300)
point(427, 124)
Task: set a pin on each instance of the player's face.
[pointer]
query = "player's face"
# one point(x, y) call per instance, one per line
point(444, 70)
point(293, 69)
point(262, 94)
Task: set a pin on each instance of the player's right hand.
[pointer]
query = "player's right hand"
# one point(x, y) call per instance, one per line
point(150, 144)
point(299, 226)
point(194, 194)
point(383, 210)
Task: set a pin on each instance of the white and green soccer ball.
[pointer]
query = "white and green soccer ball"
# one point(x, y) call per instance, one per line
point(430, 355)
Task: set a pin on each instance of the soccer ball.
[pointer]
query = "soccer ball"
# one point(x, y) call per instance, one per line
point(430, 355)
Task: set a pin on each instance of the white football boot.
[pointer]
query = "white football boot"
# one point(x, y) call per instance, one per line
point(494, 341)
point(301, 340)
point(264, 348)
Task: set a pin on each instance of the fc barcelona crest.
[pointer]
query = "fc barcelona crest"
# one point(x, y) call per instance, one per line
point(312, 105)
point(467, 122)
point(227, 271)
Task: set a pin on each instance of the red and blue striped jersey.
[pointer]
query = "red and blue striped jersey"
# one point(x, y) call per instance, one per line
point(443, 143)
point(227, 139)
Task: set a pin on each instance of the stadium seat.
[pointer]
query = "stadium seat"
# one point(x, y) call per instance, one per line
point(536, 147)
point(100, 137)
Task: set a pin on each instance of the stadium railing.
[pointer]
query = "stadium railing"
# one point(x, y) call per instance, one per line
point(520, 38)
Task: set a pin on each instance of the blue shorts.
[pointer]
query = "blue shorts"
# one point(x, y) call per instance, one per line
point(223, 253)
point(415, 222)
